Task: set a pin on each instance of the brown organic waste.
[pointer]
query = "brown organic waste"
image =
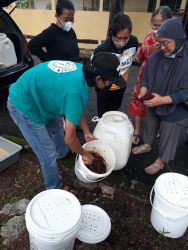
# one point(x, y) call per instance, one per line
point(98, 165)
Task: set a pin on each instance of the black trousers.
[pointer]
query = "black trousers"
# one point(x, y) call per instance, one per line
point(108, 100)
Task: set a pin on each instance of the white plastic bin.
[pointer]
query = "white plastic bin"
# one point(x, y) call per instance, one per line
point(9, 153)
point(7, 52)
point(53, 218)
point(115, 129)
point(169, 214)
point(104, 150)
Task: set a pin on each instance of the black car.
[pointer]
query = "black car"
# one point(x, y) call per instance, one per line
point(15, 57)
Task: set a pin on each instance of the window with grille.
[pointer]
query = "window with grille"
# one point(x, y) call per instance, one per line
point(134, 6)
point(90, 5)
point(34, 4)
point(173, 4)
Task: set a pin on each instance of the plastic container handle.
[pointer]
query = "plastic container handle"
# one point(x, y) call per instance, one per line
point(87, 178)
point(161, 212)
point(95, 119)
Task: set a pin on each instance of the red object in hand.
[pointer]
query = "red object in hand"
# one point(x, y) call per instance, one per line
point(146, 97)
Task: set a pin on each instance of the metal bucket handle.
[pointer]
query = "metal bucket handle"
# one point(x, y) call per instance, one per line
point(161, 212)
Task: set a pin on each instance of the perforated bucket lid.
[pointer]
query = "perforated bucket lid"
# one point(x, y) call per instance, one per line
point(173, 187)
point(53, 213)
point(95, 226)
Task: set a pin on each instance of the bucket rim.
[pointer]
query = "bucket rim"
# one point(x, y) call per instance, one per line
point(158, 184)
point(31, 220)
point(111, 153)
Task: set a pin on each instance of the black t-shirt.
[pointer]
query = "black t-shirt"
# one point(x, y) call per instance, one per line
point(59, 45)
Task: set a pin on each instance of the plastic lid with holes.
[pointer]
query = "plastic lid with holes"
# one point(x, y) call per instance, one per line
point(95, 225)
point(173, 187)
point(52, 213)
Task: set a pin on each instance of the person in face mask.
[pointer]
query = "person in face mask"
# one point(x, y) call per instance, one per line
point(59, 39)
point(124, 45)
point(166, 77)
point(149, 45)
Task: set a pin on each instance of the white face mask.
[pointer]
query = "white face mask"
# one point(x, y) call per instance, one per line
point(66, 26)
point(154, 31)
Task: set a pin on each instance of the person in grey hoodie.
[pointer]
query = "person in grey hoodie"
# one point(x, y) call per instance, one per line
point(166, 77)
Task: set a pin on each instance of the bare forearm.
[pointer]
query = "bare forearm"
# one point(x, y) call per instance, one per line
point(83, 125)
point(74, 144)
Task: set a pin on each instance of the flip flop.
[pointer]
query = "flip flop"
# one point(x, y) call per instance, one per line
point(140, 150)
point(153, 168)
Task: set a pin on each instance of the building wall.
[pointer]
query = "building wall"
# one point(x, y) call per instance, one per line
point(88, 24)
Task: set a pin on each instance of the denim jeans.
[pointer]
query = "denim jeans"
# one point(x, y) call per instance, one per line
point(47, 142)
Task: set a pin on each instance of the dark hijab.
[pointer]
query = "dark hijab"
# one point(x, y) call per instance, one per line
point(169, 76)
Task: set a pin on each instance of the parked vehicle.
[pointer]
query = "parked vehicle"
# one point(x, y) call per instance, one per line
point(15, 57)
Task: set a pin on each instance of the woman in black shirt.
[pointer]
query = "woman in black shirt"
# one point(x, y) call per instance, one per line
point(59, 40)
point(124, 45)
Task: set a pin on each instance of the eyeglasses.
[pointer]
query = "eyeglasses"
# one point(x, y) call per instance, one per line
point(156, 26)
point(164, 43)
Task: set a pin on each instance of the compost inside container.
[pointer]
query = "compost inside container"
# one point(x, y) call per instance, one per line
point(98, 165)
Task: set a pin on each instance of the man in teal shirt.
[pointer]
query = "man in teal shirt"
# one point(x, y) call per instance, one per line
point(49, 90)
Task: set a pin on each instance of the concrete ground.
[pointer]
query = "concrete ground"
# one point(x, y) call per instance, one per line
point(136, 164)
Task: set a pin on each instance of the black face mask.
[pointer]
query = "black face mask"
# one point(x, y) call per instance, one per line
point(106, 88)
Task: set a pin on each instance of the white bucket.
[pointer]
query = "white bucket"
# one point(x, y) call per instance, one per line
point(116, 130)
point(87, 176)
point(53, 218)
point(7, 52)
point(169, 214)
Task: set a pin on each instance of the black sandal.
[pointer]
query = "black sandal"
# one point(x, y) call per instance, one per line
point(136, 139)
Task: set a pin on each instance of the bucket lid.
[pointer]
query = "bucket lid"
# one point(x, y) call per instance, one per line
point(173, 187)
point(53, 212)
point(95, 225)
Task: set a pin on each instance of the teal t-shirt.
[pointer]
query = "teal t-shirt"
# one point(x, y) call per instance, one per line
point(51, 89)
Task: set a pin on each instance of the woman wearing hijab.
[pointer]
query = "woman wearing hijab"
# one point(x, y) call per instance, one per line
point(149, 45)
point(166, 76)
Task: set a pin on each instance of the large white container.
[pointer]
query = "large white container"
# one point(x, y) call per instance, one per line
point(169, 214)
point(7, 52)
point(116, 130)
point(54, 218)
point(104, 150)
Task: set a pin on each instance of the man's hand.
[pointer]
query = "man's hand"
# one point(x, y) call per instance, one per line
point(87, 158)
point(158, 100)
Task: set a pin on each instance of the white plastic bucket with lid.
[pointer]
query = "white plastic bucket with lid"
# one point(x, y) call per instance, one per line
point(116, 130)
point(7, 52)
point(169, 214)
point(54, 218)
point(104, 150)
